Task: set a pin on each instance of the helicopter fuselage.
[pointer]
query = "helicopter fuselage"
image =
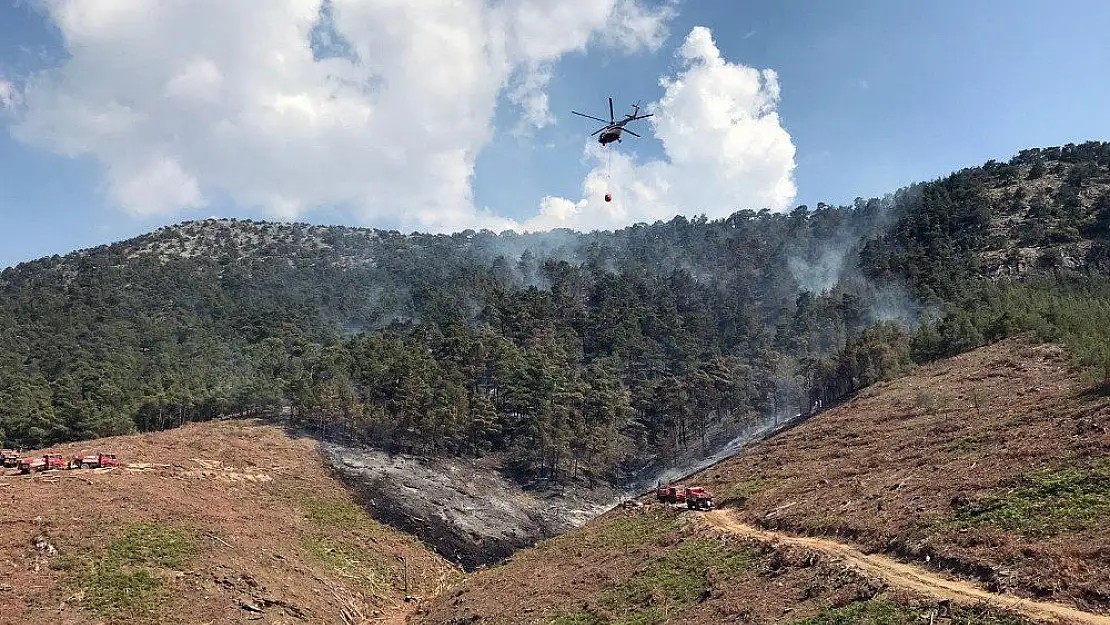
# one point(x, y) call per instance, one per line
point(609, 136)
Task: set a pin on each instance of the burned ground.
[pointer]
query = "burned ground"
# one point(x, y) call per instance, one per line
point(210, 523)
point(465, 508)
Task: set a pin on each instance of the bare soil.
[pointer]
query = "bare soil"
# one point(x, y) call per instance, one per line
point(660, 564)
point(274, 531)
point(564, 576)
point(892, 470)
point(914, 579)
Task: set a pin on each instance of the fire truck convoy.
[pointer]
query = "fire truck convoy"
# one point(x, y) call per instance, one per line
point(12, 459)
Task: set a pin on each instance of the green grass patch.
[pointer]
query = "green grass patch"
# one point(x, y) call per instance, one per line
point(886, 612)
point(665, 586)
point(680, 576)
point(334, 512)
point(123, 581)
point(375, 573)
point(640, 529)
point(578, 618)
point(1046, 503)
point(617, 532)
point(649, 616)
point(963, 445)
point(153, 545)
point(740, 493)
point(339, 527)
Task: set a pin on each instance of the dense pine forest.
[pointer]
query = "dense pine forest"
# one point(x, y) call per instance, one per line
point(566, 354)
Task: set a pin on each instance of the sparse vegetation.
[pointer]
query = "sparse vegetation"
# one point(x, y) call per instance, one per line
point(374, 573)
point(739, 494)
point(578, 618)
point(887, 612)
point(340, 528)
point(616, 533)
point(337, 513)
point(927, 401)
point(124, 580)
point(963, 446)
point(682, 575)
point(1047, 502)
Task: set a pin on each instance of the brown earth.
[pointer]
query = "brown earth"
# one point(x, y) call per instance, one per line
point(568, 576)
point(274, 537)
point(659, 564)
point(897, 468)
point(909, 577)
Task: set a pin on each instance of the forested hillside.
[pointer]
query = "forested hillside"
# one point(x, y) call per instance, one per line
point(567, 353)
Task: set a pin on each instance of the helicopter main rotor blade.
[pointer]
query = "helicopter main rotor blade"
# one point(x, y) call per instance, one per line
point(611, 118)
point(630, 132)
point(598, 130)
point(590, 116)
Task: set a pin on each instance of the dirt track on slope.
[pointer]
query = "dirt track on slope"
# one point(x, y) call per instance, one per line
point(909, 577)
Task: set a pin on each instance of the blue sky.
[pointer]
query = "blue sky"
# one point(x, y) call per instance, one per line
point(874, 95)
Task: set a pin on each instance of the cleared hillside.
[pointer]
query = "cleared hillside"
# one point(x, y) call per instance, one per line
point(221, 522)
point(993, 466)
point(995, 463)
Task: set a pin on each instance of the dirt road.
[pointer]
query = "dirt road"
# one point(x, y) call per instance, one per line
point(909, 577)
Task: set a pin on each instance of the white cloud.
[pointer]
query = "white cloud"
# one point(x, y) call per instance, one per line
point(9, 96)
point(541, 31)
point(633, 27)
point(183, 101)
point(156, 185)
point(725, 149)
point(530, 95)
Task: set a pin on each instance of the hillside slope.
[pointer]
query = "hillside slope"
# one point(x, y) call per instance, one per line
point(479, 343)
point(210, 523)
point(993, 466)
point(994, 463)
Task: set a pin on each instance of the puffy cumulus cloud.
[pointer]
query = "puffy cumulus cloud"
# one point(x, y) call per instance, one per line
point(384, 115)
point(624, 25)
point(725, 150)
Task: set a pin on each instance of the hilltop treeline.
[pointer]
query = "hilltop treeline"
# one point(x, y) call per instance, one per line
point(566, 352)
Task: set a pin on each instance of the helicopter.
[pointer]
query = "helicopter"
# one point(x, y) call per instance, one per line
point(613, 129)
